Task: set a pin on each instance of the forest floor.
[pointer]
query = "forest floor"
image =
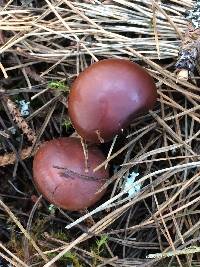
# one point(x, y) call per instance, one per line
point(44, 46)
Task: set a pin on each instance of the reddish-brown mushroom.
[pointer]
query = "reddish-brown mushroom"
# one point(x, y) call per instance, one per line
point(107, 96)
point(60, 175)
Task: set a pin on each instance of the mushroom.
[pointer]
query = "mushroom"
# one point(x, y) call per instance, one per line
point(59, 173)
point(106, 97)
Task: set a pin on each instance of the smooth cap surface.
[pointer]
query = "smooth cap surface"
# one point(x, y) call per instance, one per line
point(70, 188)
point(107, 96)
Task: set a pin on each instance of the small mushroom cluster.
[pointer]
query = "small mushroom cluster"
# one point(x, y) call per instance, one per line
point(104, 99)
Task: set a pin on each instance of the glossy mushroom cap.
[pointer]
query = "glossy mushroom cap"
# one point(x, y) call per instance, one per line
point(107, 96)
point(70, 188)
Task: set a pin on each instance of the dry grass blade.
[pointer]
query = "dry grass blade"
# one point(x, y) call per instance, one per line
point(13, 217)
point(13, 256)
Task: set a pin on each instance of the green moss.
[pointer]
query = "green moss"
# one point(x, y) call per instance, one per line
point(101, 243)
point(68, 257)
point(58, 85)
point(60, 236)
point(99, 249)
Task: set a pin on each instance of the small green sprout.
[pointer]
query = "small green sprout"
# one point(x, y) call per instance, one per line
point(67, 124)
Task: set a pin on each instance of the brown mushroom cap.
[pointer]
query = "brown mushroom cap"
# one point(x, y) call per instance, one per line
point(71, 188)
point(107, 96)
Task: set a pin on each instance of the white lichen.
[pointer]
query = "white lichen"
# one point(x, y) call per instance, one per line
point(23, 107)
point(12, 130)
point(130, 186)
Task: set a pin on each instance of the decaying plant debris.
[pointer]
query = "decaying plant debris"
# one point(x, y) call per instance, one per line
point(44, 45)
point(188, 59)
